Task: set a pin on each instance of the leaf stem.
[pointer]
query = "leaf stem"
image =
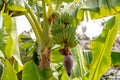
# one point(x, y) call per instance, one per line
point(46, 25)
point(38, 25)
point(38, 17)
point(33, 27)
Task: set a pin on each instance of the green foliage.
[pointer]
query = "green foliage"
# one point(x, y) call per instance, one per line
point(79, 69)
point(102, 8)
point(88, 58)
point(26, 45)
point(63, 33)
point(25, 37)
point(67, 1)
point(1, 3)
point(100, 50)
point(64, 76)
point(16, 8)
point(7, 22)
point(36, 7)
point(9, 48)
point(3, 38)
point(115, 58)
point(28, 48)
point(56, 57)
point(9, 72)
point(97, 9)
point(15, 2)
point(77, 79)
point(30, 70)
point(9, 42)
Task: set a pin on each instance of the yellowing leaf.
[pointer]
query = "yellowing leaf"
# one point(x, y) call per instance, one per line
point(80, 15)
point(9, 73)
point(17, 66)
point(16, 8)
point(9, 47)
point(48, 1)
point(76, 79)
point(76, 1)
point(64, 76)
point(7, 22)
point(20, 67)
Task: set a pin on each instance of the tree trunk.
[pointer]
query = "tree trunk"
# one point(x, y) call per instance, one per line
point(45, 59)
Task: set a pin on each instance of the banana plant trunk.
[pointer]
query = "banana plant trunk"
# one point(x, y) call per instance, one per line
point(42, 35)
point(45, 58)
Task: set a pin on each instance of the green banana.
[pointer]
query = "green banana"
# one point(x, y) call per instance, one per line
point(63, 31)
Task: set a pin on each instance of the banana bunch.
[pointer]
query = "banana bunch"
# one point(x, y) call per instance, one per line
point(63, 31)
point(66, 19)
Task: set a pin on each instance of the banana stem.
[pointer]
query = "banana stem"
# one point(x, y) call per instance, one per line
point(33, 27)
point(38, 17)
point(38, 25)
point(35, 31)
point(46, 25)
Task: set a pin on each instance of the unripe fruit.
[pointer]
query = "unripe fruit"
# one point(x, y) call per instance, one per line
point(68, 64)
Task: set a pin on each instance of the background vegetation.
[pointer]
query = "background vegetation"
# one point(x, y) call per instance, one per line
point(56, 54)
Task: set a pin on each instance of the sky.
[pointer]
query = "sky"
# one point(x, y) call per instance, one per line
point(22, 24)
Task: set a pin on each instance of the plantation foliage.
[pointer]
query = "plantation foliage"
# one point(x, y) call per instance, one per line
point(56, 53)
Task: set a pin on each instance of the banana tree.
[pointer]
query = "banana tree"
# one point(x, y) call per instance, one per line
point(54, 24)
point(13, 8)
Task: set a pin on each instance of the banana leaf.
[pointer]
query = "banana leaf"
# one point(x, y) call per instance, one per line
point(101, 48)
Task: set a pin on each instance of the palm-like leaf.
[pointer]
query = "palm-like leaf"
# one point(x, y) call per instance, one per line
point(101, 49)
point(97, 8)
